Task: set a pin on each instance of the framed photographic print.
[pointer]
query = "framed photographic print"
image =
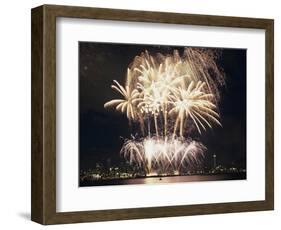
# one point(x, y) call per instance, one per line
point(147, 114)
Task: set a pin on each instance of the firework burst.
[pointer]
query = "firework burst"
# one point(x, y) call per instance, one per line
point(163, 94)
point(160, 155)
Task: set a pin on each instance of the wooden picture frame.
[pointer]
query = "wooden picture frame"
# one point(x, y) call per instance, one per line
point(43, 208)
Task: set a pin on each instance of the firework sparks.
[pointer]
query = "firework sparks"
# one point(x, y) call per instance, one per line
point(193, 102)
point(161, 155)
point(165, 93)
point(124, 105)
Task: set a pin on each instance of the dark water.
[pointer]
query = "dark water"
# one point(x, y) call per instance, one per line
point(168, 179)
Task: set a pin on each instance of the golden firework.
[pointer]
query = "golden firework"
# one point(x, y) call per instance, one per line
point(169, 94)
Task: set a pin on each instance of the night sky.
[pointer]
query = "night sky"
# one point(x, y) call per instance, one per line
point(102, 131)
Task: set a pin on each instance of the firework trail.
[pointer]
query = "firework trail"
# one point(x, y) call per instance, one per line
point(164, 94)
point(163, 155)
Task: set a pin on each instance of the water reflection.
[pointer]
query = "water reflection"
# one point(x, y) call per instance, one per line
point(169, 179)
